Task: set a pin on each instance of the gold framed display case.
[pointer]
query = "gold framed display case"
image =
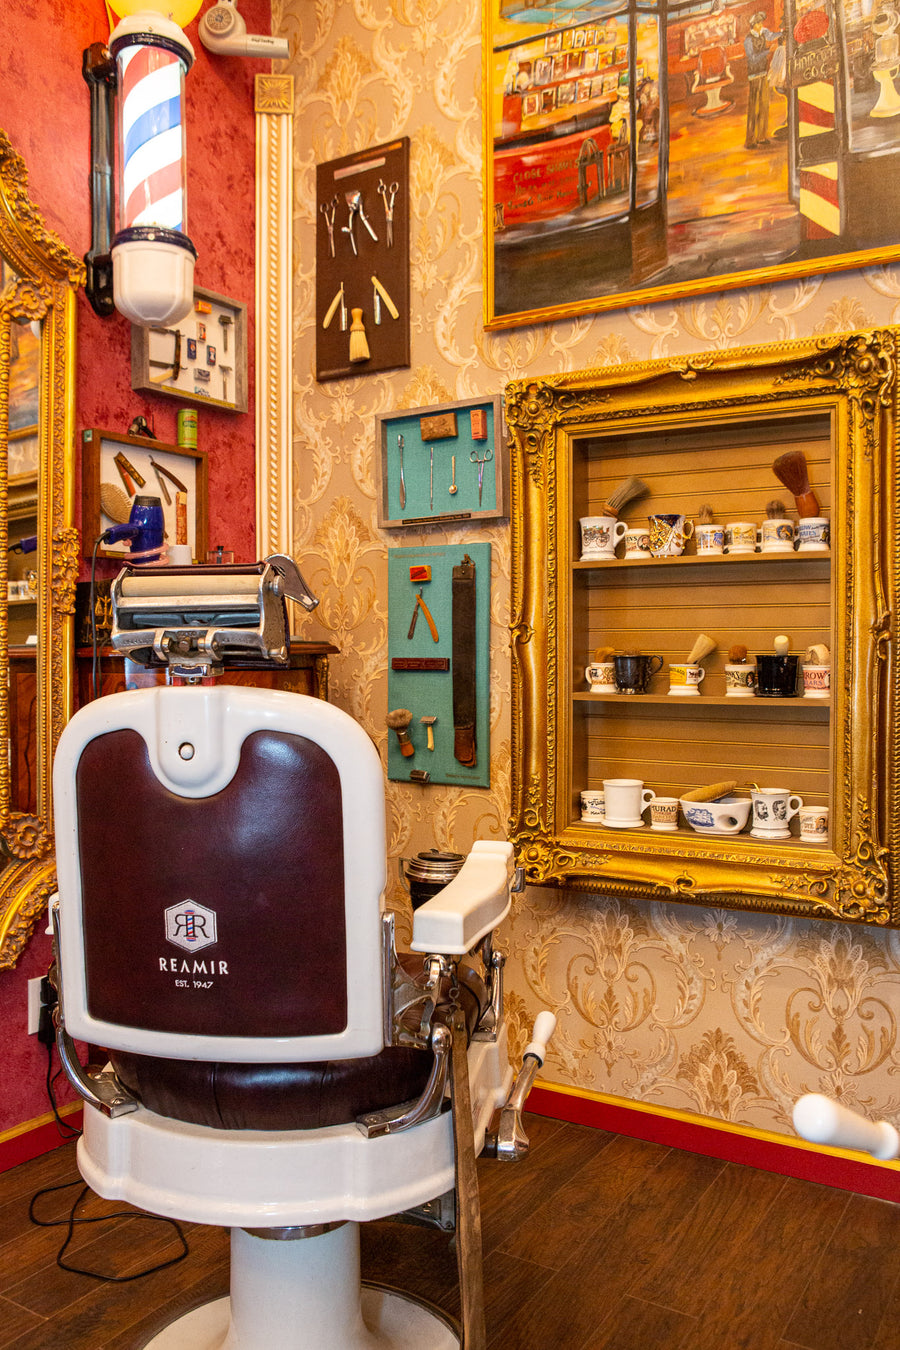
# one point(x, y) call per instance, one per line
point(697, 430)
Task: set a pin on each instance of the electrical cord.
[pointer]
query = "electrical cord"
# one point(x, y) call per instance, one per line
point(66, 1131)
point(71, 1223)
point(95, 658)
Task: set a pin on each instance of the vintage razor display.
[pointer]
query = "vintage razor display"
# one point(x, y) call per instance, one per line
point(183, 360)
point(450, 462)
point(439, 663)
point(368, 263)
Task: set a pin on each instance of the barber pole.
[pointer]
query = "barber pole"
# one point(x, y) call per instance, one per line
point(153, 258)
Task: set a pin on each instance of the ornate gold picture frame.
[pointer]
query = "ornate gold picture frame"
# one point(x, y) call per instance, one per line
point(649, 151)
point(696, 431)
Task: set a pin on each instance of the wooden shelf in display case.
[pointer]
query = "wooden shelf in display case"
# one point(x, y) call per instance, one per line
point(695, 431)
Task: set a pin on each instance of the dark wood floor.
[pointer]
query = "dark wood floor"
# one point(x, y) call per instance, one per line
point(596, 1242)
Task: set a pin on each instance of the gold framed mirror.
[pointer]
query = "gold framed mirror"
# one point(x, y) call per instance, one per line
point(37, 319)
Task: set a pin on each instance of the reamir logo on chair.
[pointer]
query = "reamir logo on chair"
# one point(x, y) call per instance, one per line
point(190, 925)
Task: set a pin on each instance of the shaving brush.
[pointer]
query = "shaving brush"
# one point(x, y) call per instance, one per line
point(775, 510)
point(703, 645)
point(705, 514)
point(790, 469)
point(737, 654)
point(398, 721)
point(625, 492)
point(601, 654)
point(359, 347)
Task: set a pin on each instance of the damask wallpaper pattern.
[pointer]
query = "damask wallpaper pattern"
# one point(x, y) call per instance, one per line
point(726, 1015)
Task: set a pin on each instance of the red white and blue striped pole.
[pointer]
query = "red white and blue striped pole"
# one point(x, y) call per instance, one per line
point(153, 258)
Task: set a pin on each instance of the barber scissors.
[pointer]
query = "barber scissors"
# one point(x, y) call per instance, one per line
point(328, 209)
point(481, 461)
point(388, 194)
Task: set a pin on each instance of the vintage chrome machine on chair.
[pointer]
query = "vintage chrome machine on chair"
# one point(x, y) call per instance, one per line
point(276, 1066)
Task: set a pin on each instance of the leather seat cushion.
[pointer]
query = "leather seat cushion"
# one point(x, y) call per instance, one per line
point(288, 1096)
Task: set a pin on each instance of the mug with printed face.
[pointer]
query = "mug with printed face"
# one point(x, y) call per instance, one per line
point(740, 680)
point(814, 824)
point(599, 537)
point(773, 810)
point(637, 542)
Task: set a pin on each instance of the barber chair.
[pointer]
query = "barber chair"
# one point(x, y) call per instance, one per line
point(274, 1065)
point(712, 75)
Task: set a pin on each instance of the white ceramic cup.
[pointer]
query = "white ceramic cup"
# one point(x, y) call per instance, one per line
point(777, 536)
point(814, 824)
point(626, 800)
point(664, 813)
point(637, 542)
point(741, 536)
point(592, 804)
point(740, 680)
point(773, 810)
point(180, 555)
point(709, 539)
point(599, 537)
point(685, 679)
point(601, 676)
point(817, 681)
point(813, 534)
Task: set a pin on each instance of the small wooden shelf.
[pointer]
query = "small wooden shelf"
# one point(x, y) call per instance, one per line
point(739, 705)
point(713, 560)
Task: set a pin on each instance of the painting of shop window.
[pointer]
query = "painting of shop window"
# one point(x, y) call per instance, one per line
point(647, 149)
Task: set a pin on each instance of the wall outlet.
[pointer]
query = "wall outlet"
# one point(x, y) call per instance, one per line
point(34, 1005)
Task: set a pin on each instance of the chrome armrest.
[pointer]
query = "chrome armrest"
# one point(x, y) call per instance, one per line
point(99, 1088)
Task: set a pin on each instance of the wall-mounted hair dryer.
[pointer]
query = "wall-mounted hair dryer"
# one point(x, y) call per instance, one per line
point(145, 528)
point(223, 31)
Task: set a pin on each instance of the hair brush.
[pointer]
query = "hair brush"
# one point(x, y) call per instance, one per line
point(790, 469)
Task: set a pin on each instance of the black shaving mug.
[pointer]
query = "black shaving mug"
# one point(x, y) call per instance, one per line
point(776, 676)
point(633, 672)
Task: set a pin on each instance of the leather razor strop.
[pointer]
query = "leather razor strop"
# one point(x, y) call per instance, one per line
point(463, 636)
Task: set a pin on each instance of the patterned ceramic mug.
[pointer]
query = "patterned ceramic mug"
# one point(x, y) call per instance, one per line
point(773, 810)
point(740, 680)
point(816, 681)
point(668, 533)
point(741, 536)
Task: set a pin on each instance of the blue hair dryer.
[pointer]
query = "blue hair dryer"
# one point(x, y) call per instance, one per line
point(145, 526)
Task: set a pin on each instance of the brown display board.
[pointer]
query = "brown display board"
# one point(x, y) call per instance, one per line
point(362, 262)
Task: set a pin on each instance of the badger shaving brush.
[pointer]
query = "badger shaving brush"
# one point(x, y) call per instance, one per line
point(398, 721)
point(790, 469)
point(624, 493)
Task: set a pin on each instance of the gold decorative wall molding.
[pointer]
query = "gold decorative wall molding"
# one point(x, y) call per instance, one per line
point(274, 105)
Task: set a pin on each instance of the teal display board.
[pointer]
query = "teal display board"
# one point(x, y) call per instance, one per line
point(429, 693)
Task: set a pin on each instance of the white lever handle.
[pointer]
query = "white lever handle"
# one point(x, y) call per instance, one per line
point(823, 1121)
point(544, 1027)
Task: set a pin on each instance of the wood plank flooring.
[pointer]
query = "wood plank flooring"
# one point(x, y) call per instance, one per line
point(596, 1242)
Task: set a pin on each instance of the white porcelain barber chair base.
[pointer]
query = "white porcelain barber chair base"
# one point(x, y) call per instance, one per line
point(299, 1293)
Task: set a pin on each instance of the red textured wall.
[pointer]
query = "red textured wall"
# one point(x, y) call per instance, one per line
point(44, 109)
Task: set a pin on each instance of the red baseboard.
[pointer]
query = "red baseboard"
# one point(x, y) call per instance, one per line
point(35, 1138)
point(828, 1166)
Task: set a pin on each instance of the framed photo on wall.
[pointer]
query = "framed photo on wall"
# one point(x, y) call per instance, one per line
point(721, 145)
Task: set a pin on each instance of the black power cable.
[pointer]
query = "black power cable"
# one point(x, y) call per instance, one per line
point(66, 1131)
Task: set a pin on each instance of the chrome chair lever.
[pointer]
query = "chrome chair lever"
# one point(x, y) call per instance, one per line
point(506, 1139)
